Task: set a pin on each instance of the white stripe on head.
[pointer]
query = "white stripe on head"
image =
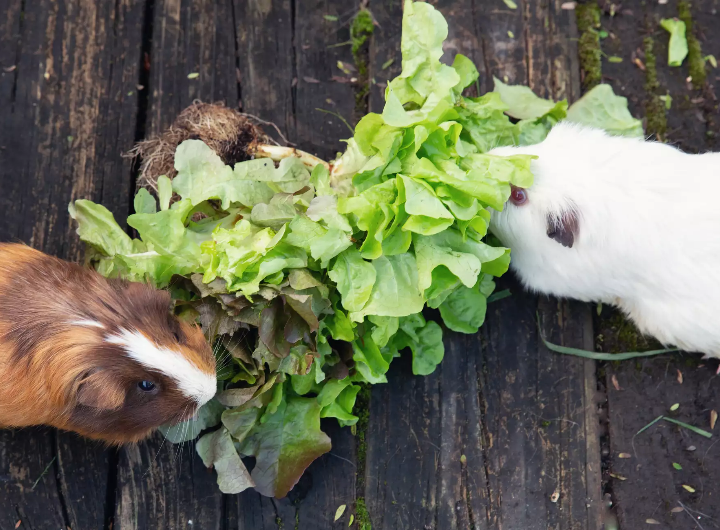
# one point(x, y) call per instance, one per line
point(88, 323)
point(191, 381)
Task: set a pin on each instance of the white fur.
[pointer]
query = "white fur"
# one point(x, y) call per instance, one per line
point(88, 323)
point(191, 381)
point(649, 231)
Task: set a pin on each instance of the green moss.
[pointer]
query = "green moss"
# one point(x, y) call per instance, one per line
point(696, 61)
point(279, 523)
point(654, 107)
point(362, 411)
point(361, 30)
point(362, 517)
point(588, 21)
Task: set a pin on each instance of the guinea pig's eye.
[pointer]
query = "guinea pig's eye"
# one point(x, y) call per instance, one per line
point(518, 196)
point(146, 386)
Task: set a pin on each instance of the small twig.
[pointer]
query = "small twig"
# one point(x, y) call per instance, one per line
point(44, 472)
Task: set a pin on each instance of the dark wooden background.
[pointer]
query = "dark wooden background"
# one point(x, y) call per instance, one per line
point(505, 435)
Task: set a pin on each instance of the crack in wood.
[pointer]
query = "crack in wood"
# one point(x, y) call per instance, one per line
point(60, 483)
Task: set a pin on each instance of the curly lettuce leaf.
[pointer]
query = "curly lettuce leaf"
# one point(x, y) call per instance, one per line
point(285, 445)
point(217, 450)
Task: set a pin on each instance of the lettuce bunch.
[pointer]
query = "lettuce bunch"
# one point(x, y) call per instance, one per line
point(309, 281)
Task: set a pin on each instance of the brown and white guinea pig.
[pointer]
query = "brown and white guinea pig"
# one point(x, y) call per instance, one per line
point(621, 221)
point(103, 358)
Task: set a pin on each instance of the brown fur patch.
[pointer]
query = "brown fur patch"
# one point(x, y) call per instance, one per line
point(57, 372)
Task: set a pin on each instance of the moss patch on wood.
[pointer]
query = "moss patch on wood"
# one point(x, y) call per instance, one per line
point(696, 61)
point(362, 410)
point(588, 21)
point(654, 106)
point(361, 30)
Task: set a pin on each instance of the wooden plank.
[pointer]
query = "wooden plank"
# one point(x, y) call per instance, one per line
point(188, 38)
point(193, 37)
point(329, 481)
point(62, 136)
point(686, 120)
point(503, 424)
point(267, 61)
point(316, 64)
point(161, 485)
point(154, 487)
point(643, 482)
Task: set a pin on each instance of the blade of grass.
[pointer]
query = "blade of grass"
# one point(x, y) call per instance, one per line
point(692, 428)
point(339, 117)
point(499, 295)
point(649, 425)
point(43, 473)
point(597, 355)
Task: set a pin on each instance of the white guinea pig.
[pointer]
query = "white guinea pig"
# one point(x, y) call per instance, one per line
point(621, 221)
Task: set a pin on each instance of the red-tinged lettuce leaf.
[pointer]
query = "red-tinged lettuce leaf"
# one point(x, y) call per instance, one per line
point(217, 450)
point(285, 445)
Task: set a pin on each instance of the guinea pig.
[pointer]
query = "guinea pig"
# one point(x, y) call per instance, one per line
point(621, 221)
point(102, 358)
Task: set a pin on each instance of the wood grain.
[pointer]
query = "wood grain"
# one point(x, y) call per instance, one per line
point(190, 37)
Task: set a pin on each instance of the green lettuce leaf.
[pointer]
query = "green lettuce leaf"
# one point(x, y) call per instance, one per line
point(521, 101)
point(395, 292)
point(206, 417)
point(678, 47)
point(601, 108)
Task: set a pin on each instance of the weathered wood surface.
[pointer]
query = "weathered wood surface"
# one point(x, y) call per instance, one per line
point(505, 435)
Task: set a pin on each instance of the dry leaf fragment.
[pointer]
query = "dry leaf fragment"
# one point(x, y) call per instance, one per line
point(308, 79)
point(680, 377)
point(639, 63)
point(17, 525)
point(689, 488)
point(624, 455)
point(713, 419)
point(691, 448)
point(615, 382)
point(340, 511)
point(652, 521)
point(677, 509)
point(568, 5)
point(619, 477)
point(9, 69)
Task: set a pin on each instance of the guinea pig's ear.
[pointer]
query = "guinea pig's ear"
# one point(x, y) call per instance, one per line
point(99, 390)
point(563, 228)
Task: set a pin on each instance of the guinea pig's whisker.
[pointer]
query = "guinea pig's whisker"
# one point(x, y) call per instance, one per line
point(154, 458)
